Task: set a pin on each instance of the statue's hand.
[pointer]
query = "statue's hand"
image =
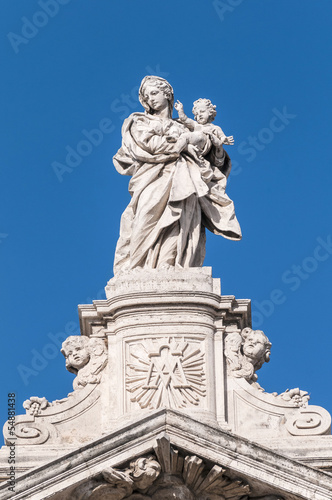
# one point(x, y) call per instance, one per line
point(181, 144)
point(194, 151)
point(229, 140)
point(178, 106)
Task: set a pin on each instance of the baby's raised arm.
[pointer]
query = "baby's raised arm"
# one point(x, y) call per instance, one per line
point(183, 117)
point(218, 137)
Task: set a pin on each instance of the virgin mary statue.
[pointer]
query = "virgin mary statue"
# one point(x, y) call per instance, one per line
point(176, 190)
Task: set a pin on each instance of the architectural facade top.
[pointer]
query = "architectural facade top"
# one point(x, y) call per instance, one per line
point(167, 347)
point(166, 403)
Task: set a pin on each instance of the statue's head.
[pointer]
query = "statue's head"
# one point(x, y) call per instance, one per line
point(150, 83)
point(86, 357)
point(204, 111)
point(256, 347)
point(76, 351)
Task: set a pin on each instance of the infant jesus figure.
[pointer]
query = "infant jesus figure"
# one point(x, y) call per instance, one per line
point(201, 129)
point(204, 112)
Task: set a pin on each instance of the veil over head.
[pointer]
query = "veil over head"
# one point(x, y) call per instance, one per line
point(160, 83)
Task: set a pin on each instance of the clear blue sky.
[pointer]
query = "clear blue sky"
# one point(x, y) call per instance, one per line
point(267, 67)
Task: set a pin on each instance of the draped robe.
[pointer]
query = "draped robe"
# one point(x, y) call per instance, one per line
point(173, 197)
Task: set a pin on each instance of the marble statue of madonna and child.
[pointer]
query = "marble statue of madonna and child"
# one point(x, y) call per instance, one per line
point(179, 170)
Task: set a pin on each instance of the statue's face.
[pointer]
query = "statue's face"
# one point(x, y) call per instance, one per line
point(202, 113)
point(254, 346)
point(77, 356)
point(155, 97)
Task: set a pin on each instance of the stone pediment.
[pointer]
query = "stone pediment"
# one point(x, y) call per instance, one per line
point(178, 458)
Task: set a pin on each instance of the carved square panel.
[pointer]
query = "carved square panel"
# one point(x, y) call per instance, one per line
point(165, 372)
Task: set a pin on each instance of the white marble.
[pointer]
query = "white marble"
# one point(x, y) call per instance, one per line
point(164, 442)
point(176, 343)
point(177, 188)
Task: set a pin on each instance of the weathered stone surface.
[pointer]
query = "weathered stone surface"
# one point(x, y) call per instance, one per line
point(170, 437)
point(174, 476)
point(164, 331)
point(167, 346)
point(75, 418)
point(204, 112)
point(163, 281)
point(246, 352)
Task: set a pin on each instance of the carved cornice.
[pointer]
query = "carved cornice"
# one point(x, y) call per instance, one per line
point(254, 464)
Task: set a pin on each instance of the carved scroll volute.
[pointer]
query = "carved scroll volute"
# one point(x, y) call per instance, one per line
point(310, 421)
point(87, 358)
point(28, 430)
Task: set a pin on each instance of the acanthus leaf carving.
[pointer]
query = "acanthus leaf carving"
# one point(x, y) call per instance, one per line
point(167, 477)
point(116, 484)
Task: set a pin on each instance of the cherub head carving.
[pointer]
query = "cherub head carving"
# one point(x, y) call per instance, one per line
point(204, 111)
point(76, 351)
point(246, 352)
point(86, 357)
point(256, 347)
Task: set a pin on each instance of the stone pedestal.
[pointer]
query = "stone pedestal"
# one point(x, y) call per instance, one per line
point(165, 342)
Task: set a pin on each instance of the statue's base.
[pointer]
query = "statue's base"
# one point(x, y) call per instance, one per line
point(165, 342)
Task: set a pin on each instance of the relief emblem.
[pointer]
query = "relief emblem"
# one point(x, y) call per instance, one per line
point(166, 373)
